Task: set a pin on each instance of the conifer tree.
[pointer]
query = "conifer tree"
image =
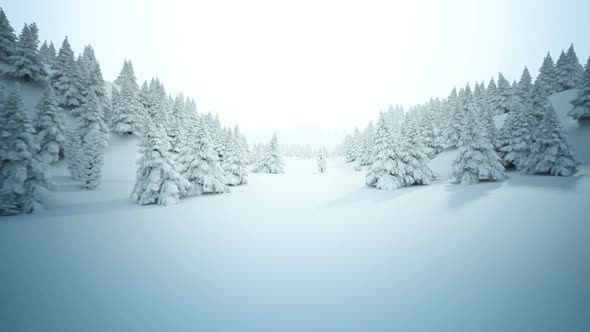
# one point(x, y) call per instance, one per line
point(72, 148)
point(569, 70)
point(47, 53)
point(477, 159)
point(524, 90)
point(452, 130)
point(94, 140)
point(414, 153)
point(128, 111)
point(7, 38)
point(581, 109)
point(367, 141)
point(550, 153)
point(322, 155)
point(505, 102)
point(388, 170)
point(201, 165)
point(515, 141)
point(23, 181)
point(50, 127)
point(272, 161)
point(546, 81)
point(25, 62)
point(492, 98)
point(233, 164)
point(66, 78)
point(157, 181)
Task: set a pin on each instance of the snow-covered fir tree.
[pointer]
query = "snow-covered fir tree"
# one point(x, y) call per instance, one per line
point(66, 78)
point(581, 109)
point(271, 161)
point(550, 153)
point(25, 61)
point(201, 164)
point(321, 161)
point(504, 101)
point(50, 127)
point(492, 98)
point(72, 148)
point(415, 154)
point(389, 168)
point(47, 53)
point(234, 161)
point(128, 111)
point(23, 181)
point(546, 81)
point(367, 142)
point(525, 89)
point(428, 133)
point(569, 70)
point(91, 76)
point(516, 136)
point(157, 180)
point(452, 128)
point(94, 140)
point(477, 160)
point(7, 38)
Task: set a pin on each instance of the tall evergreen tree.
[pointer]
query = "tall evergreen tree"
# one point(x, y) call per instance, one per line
point(272, 161)
point(94, 140)
point(25, 62)
point(546, 81)
point(569, 70)
point(48, 54)
point(505, 102)
point(515, 142)
point(387, 172)
point(72, 151)
point(550, 153)
point(7, 38)
point(23, 181)
point(50, 127)
point(233, 164)
point(367, 142)
point(452, 129)
point(128, 111)
point(158, 181)
point(66, 78)
point(492, 98)
point(581, 109)
point(477, 159)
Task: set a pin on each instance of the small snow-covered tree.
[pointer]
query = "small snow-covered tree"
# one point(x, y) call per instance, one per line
point(25, 62)
point(66, 78)
point(452, 129)
point(50, 127)
point(23, 181)
point(157, 181)
point(201, 165)
point(367, 142)
point(581, 109)
point(477, 159)
point(272, 161)
point(321, 161)
point(546, 81)
point(7, 38)
point(94, 140)
point(72, 147)
point(550, 153)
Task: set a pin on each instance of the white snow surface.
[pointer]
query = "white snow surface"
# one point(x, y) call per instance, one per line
point(304, 251)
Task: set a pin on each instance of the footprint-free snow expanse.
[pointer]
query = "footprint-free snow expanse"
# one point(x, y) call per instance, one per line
point(303, 251)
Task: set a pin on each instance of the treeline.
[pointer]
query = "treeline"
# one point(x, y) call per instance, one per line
point(398, 148)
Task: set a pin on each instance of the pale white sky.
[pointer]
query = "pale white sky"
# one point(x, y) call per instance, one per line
point(330, 64)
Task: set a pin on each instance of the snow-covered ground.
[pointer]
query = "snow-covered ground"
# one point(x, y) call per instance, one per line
point(304, 251)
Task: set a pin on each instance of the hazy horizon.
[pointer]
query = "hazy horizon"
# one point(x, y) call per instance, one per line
point(268, 66)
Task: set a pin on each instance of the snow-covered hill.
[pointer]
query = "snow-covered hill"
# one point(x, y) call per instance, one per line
point(304, 251)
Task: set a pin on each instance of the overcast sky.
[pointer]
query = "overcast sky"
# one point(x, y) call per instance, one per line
point(278, 64)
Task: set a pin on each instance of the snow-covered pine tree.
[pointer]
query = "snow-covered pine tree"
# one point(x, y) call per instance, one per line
point(157, 181)
point(321, 161)
point(428, 132)
point(367, 142)
point(516, 136)
point(66, 77)
point(91, 75)
point(47, 53)
point(347, 149)
point(465, 105)
point(477, 160)
point(414, 153)
point(550, 153)
point(569, 70)
point(581, 109)
point(201, 165)
point(524, 91)
point(127, 112)
point(50, 127)
point(504, 101)
point(25, 62)
point(452, 129)
point(389, 168)
point(546, 81)
point(233, 163)
point(72, 147)
point(492, 98)
point(23, 181)
point(272, 161)
point(7, 38)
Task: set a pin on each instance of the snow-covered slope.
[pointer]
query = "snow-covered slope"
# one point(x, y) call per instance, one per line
point(304, 251)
